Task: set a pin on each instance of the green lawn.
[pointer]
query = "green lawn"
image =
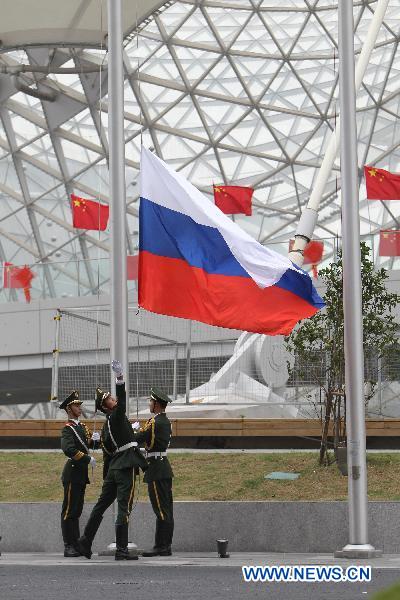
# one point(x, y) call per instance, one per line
point(392, 593)
point(35, 477)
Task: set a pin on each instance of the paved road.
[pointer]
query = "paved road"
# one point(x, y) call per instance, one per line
point(212, 450)
point(184, 577)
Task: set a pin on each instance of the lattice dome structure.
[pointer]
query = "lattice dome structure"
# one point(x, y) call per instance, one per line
point(241, 92)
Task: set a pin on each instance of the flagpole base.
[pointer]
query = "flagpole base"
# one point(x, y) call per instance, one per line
point(111, 548)
point(358, 551)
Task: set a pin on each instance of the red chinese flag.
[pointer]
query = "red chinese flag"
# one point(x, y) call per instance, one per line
point(8, 276)
point(88, 214)
point(132, 265)
point(312, 253)
point(381, 184)
point(389, 243)
point(25, 276)
point(18, 278)
point(233, 199)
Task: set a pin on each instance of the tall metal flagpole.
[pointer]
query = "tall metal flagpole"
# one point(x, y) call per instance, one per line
point(119, 294)
point(358, 546)
point(116, 144)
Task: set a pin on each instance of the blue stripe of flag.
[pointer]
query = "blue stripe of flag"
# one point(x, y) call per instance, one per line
point(169, 233)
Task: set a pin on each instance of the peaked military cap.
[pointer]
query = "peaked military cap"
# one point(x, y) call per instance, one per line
point(159, 396)
point(73, 398)
point(100, 397)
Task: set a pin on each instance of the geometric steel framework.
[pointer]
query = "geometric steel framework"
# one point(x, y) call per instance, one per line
point(226, 91)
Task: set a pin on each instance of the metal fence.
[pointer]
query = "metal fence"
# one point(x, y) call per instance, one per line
point(173, 354)
point(203, 367)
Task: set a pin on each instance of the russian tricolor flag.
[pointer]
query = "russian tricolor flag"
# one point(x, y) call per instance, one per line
point(195, 263)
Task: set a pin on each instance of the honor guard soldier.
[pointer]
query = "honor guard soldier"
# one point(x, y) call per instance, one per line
point(156, 435)
point(121, 459)
point(75, 443)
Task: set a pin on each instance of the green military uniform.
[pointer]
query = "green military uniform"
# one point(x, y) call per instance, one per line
point(122, 459)
point(75, 443)
point(156, 435)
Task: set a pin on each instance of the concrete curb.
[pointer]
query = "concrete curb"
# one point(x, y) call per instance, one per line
point(320, 527)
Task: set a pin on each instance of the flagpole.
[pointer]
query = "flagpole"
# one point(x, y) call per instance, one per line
point(188, 357)
point(119, 295)
point(358, 546)
point(116, 143)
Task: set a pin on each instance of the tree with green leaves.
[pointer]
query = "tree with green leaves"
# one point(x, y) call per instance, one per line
point(318, 343)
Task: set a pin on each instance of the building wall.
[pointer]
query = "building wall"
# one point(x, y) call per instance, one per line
point(27, 332)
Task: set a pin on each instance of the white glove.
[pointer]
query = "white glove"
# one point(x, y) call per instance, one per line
point(95, 436)
point(117, 368)
point(135, 425)
point(92, 462)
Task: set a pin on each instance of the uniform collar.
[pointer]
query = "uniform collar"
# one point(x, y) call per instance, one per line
point(76, 421)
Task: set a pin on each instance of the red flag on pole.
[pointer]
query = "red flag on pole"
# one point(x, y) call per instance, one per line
point(233, 199)
point(381, 184)
point(8, 278)
point(88, 214)
point(389, 243)
point(18, 278)
point(312, 253)
point(132, 265)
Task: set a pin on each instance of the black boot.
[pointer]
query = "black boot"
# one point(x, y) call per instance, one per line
point(66, 529)
point(85, 541)
point(162, 546)
point(121, 542)
point(157, 541)
point(75, 534)
point(158, 534)
point(121, 539)
point(167, 528)
point(169, 532)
